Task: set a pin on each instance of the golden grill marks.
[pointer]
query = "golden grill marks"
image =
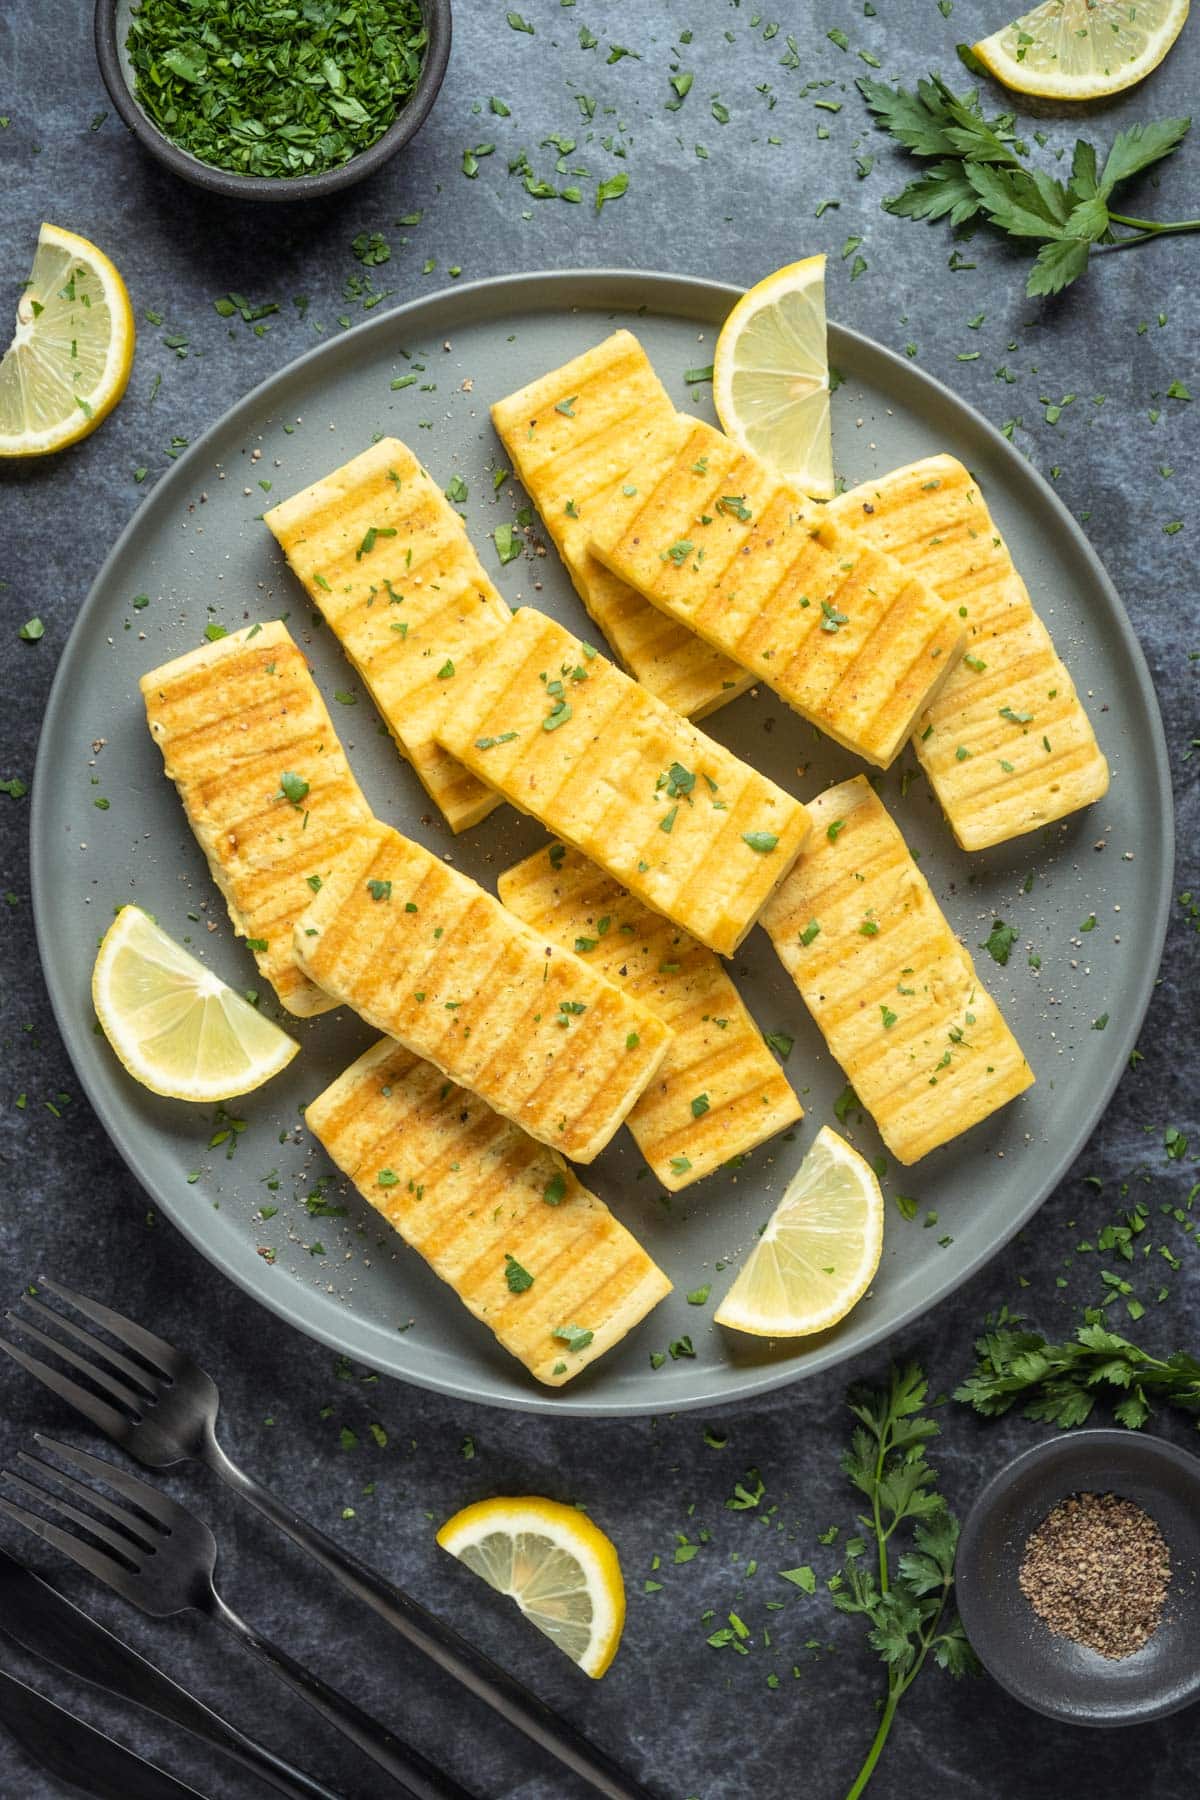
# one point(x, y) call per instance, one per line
point(678, 820)
point(581, 440)
point(1006, 742)
point(425, 954)
point(890, 987)
point(526, 1247)
point(718, 1091)
point(247, 740)
point(388, 561)
point(848, 638)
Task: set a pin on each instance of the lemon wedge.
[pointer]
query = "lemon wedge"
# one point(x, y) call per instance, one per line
point(771, 376)
point(177, 1027)
point(557, 1566)
point(1082, 49)
point(819, 1251)
point(72, 351)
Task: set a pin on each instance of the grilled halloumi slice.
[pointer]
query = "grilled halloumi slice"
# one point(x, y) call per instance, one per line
point(388, 561)
point(1006, 742)
point(718, 1091)
point(525, 1246)
point(248, 742)
point(847, 637)
point(578, 438)
point(425, 954)
point(892, 990)
point(677, 819)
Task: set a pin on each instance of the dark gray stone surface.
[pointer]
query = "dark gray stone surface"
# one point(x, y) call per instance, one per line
point(690, 1719)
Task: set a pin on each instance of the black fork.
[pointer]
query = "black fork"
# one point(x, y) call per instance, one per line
point(161, 1557)
point(157, 1403)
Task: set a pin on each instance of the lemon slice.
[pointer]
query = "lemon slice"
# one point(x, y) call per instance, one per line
point(175, 1025)
point(560, 1569)
point(1082, 49)
point(71, 354)
point(820, 1249)
point(771, 376)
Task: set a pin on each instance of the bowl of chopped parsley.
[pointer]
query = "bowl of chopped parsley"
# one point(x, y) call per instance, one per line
point(273, 99)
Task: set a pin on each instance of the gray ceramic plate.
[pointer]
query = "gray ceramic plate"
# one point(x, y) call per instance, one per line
point(198, 550)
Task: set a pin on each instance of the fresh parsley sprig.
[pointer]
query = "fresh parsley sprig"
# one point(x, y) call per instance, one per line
point(978, 171)
point(905, 1602)
point(1060, 1383)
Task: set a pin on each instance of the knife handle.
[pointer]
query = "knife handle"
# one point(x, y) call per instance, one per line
point(121, 1671)
point(86, 1759)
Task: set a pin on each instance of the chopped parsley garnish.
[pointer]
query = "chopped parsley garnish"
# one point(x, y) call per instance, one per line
point(700, 1106)
point(275, 91)
point(380, 890)
point(558, 715)
point(519, 1280)
point(762, 841)
point(508, 545)
point(781, 1042)
point(999, 941)
point(489, 743)
point(370, 538)
point(678, 552)
point(575, 1337)
point(811, 930)
point(831, 618)
point(292, 788)
point(555, 1189)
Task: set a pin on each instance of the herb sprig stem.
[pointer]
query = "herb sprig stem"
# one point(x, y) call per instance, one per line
point(905, 1603)
point(975, 168)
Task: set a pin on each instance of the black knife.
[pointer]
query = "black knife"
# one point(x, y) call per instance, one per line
point(86, 1759)
point(43, 1621)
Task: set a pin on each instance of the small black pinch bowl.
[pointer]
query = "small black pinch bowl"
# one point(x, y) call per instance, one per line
point(112, 29)
point(1051, 1673)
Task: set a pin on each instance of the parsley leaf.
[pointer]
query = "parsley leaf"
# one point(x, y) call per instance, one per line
point(903, 1597)
point(1059, 1384)
point(979, 171)
point(999, 941)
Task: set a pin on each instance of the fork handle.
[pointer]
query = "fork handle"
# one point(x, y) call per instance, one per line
point(416, 1778)
point(474, 1670)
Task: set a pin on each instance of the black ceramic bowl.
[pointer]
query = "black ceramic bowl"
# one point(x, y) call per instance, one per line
point(112, 28)
point(1050, 1673)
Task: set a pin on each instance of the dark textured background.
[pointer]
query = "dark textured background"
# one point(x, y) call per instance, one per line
point(691, 1720)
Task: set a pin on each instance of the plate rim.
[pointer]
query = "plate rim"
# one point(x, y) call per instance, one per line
point(540, 290)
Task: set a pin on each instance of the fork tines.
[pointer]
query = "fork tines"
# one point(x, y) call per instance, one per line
point(117, 1543)
point(125, 1388)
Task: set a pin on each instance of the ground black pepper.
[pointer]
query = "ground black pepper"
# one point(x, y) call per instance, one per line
point(1096, 1570)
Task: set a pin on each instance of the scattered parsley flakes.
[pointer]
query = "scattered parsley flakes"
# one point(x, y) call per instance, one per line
point(999, 941)
point(519, 1280)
